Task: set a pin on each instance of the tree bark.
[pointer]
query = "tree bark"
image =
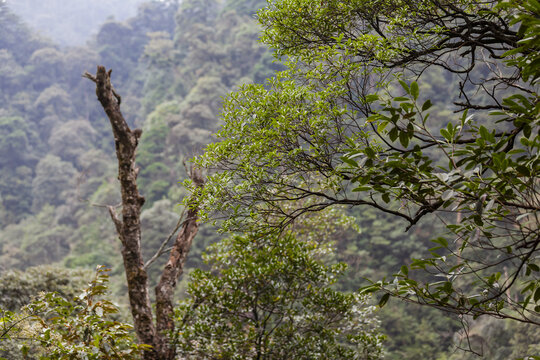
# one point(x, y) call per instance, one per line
point(129, 227)
point(175, 265)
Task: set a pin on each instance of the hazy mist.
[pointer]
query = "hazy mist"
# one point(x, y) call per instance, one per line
point(72, 22)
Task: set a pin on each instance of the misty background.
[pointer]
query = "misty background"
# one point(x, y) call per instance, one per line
point(72, 22)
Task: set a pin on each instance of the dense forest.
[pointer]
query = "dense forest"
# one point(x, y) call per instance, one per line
point(370, 179)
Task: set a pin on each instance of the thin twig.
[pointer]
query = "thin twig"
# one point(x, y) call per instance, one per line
point(117, 222)
point(165, 242)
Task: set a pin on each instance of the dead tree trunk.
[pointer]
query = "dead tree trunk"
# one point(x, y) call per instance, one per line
point(175, 267)
point(129, 232)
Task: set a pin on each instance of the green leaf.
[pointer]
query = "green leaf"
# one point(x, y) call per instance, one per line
point(348, 161)
point(384, 300)
point(529, 287)
point(369, 152)
point(527, 131)
point(441, 241)
point(478, 220)
point(415, 90)
point(534, 267)
point(393, 134)
point(369, 289)
point(371, 98)
point(401, 99)
point(405, 86)
point(446, 135)
point(404, 139)
point(405, 270)
point(523, 170)
point(484, 133)
point(382, 126)
point(427, 105)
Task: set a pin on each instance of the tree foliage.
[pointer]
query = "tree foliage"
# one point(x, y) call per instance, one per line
point(270, 297)
point(84, 327)
point(348, 124)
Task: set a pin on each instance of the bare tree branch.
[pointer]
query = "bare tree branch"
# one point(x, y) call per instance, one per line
point(177, 258)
